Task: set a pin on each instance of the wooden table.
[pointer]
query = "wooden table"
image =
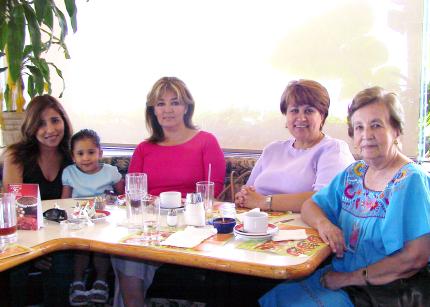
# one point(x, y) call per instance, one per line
point(105, 235)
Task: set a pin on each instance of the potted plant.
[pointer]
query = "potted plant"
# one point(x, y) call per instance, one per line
point(28, 29)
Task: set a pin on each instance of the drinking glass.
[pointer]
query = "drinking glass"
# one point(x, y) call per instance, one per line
point(135, 191)
point(151, 218)
point(7, 218)
point(206, 189)
point(136, 182)
point(134, 209)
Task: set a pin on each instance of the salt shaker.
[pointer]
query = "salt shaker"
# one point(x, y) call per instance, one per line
point(99, 203)
point(172, 218)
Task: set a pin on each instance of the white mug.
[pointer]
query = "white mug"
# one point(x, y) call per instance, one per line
point(255, 222)
point(170, 199)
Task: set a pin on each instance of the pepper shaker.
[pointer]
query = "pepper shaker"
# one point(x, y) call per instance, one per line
point(172, 218)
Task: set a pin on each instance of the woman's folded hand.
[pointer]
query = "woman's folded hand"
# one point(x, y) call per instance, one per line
point(336, 280)
point(333, 236)
point(249, 198)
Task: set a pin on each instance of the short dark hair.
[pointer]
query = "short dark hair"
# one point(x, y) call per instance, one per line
point(26, 151)
point(160, 87)
point(377, 94)
point(307, 92)
point(85, 134)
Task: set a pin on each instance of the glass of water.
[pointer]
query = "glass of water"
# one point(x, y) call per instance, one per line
point(135, 190)
point(151, 219)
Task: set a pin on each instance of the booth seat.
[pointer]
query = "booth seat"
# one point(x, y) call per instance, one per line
point(238, 169)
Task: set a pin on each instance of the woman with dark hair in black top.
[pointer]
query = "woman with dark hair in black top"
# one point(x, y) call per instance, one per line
point(40, 157)
point(43, 151)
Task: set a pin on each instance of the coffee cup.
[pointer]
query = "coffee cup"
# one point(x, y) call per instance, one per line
point(170, 199)
point(255, 222)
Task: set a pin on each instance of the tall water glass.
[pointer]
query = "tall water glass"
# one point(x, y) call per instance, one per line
point(206, 189)
point(136, 182)
point(7, 218)
point(135, 191)
point(151, 219)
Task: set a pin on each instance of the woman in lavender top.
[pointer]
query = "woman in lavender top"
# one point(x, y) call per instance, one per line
point(289, 172)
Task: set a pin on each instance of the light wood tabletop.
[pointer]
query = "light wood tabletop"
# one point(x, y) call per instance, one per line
point(221, 253)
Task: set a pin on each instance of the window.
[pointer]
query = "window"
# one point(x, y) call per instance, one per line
point(236, 58)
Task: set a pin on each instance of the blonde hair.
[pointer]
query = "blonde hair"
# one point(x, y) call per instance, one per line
point(160, 87)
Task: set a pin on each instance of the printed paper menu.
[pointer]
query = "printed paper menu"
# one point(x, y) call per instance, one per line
point(28, 205)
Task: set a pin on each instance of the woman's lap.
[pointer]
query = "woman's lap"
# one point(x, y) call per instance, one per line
point(305, 293)
point(144, 270)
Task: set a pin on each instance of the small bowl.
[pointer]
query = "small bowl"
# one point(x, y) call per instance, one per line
point(224, 225)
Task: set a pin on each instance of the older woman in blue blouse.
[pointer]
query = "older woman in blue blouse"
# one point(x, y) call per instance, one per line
point(375, 216)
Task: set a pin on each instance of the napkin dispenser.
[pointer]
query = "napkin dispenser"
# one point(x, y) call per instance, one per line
point(194, 210)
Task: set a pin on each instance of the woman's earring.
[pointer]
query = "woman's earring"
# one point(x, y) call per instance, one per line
point(396, 142)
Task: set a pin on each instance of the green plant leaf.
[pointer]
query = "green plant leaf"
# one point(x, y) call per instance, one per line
point(15, 41)
point(33, 29)
point(3, 34)
point(7, 98)
point(48, 18)
point(30, 87)
point(72, 11)
point(27, 51)
point(3, 10)
point(62, 22)
point(43, 67)
point(60, 74)
point(38, 79)
point(40, 6)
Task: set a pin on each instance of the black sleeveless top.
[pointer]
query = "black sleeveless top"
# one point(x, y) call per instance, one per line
point(48, 189)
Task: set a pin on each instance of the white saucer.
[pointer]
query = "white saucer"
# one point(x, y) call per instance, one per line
point(178, 209)
point(242, 236)
point(271, 230)
point(168, 208)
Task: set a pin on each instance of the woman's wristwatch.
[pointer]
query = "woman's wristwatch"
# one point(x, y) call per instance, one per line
point(365, 274)
point(268, 202)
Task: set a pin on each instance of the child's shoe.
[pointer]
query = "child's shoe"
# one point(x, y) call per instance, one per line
point(99, 293)
point(78, 296)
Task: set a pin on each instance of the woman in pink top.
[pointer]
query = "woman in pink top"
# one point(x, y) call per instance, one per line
point(174, 157)
point(289, 172)
point(179, 167)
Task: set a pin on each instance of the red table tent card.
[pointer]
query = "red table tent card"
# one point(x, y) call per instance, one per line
point(28, 205)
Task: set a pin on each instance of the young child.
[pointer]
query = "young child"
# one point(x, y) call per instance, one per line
point(87, 177)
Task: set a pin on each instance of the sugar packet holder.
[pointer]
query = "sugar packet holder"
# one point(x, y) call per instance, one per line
point(195, 214)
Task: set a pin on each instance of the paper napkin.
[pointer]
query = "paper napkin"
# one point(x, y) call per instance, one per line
point(189, 237)
point(240, 215)
point(284, 235)
point(13, 249)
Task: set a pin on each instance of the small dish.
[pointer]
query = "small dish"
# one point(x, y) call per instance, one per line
point(245, 237)
point(100, 215)
point(170, 207)
point(178, 209)
point(271, 230)
point(224, 225)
